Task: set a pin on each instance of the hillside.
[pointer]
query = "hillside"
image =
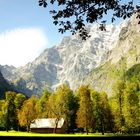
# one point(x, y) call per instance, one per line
point(123, 61)
point(99, 61)
point(4, 86)
point(69, 61)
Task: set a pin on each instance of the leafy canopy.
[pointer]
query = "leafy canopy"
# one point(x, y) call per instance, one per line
point(72, 15)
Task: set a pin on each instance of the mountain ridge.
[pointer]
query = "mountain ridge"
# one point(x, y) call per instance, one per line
point(122, 58)
point(70, 61)
point(4, 86)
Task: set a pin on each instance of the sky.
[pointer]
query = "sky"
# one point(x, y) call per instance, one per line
point(26, 29)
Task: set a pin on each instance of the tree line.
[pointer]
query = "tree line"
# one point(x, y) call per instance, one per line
point(85, 110)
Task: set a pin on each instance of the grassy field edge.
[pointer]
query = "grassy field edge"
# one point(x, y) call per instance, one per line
point(30, 134)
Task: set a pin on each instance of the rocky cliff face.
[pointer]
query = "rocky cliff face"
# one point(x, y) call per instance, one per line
point(124, 56)
point(72, 60)
point(69, 62)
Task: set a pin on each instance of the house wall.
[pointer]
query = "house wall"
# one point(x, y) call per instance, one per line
point(48, 130)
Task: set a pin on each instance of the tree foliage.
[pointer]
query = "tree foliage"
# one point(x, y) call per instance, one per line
point(131, 109)
point(18, 101)
point(86, 110)
point(73, 15)
point(63, 104)
point(43, 103)
point(2, 114)
point(118, 105)
point(10, 111)
point(85, 116)
point(28, 112)
point(101, 112)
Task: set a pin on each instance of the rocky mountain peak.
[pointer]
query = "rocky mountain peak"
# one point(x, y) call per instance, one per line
point(69, 61)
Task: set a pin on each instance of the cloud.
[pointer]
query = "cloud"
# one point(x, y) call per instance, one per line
point(20, 46)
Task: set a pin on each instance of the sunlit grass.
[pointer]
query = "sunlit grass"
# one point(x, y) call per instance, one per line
point(30, 134)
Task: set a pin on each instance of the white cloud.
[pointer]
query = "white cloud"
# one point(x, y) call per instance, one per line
point(20, 46)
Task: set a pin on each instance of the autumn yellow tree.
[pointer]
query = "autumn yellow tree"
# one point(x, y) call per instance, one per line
point(85, 113)
point(28, 112)
point(18, 101)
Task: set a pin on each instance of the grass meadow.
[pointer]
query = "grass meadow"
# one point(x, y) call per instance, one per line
point(30, 134)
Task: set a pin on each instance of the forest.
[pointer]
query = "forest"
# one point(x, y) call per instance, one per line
point(84, 110)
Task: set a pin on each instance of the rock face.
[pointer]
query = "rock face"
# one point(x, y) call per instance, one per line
point(72, 60)
point(123, 58)
point(69, 62)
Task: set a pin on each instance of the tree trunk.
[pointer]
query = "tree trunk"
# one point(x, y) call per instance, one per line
point(87, 130)
point(28, 128)
point(102, 128)
point(102, 132)
point(56, 123)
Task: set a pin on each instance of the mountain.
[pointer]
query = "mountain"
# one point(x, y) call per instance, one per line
point(4, 86)
point(123, 61)
point(67, 62)
point(97, 61)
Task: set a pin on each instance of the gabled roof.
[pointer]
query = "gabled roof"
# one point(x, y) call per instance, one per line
point(46, 123)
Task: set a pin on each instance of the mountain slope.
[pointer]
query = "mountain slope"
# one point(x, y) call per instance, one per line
point(99, 61)
point(4, 86)
point(122, 59)
point(70, 61)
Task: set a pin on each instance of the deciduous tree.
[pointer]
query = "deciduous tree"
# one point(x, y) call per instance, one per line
point(28, 112)
point(117, 105)
point(84, 113)
point(62, 104)
point(10, 111)
point(73, 15)
point(101, 112)
point(131, 109)
point(18, 101)
point(43, 103)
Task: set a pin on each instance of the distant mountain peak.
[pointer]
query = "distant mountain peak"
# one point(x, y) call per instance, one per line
point(69, 61)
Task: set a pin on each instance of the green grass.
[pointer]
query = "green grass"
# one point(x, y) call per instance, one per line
point(30, 134)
